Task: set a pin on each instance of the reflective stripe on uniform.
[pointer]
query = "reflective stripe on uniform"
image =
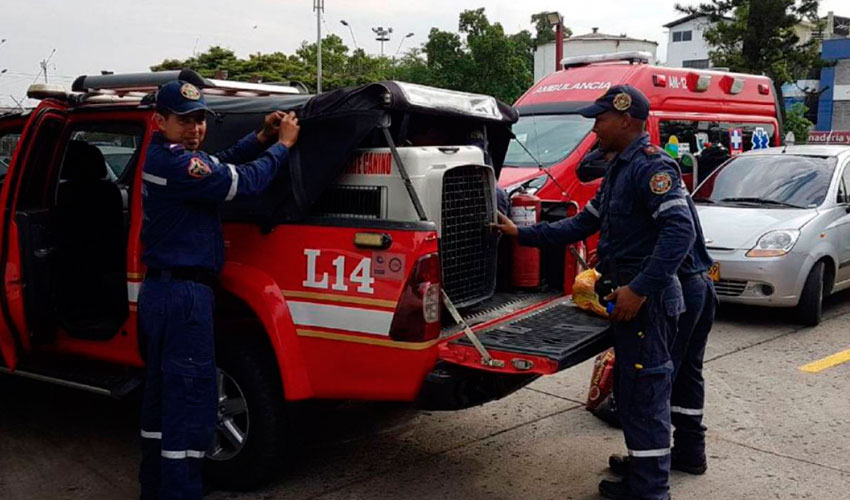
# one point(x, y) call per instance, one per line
point(154, 179)
point(592, 210)
point(177, 455)
point(694, 412)
point(649, 453)
point(151, 435)
point(215, 159)
point(234, 182)
point(670, 204)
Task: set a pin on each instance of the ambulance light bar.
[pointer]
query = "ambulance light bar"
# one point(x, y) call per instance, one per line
point(640, 57)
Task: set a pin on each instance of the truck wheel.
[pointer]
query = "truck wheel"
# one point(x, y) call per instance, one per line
point(810, 307)
point(251, 424)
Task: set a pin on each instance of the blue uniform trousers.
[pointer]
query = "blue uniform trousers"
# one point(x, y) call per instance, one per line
point(688, 349)
point(180, 400)
point(642, 386)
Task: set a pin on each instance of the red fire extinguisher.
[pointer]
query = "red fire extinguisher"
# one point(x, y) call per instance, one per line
point(525, 211)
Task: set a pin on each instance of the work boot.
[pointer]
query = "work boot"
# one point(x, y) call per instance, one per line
point(617, 490)
point(619, 464)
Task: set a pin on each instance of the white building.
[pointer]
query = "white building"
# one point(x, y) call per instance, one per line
point(589, 44)
point(686, 47)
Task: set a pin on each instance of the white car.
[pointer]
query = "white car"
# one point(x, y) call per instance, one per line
point(777, 223)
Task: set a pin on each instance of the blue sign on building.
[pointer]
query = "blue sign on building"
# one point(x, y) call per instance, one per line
point(834, 103)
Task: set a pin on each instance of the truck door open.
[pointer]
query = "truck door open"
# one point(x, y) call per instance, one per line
point(27, 253)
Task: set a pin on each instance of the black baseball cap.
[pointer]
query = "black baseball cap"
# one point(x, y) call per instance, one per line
point(621, 98)
point(180, 97)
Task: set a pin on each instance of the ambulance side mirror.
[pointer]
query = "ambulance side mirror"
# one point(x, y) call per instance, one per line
point(592, 170)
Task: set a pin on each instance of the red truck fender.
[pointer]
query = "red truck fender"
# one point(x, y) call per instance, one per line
point(263, 295)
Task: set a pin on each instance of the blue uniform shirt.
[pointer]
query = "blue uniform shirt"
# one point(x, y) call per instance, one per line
point(642, 212)
point(697, 261)
point(181, 192)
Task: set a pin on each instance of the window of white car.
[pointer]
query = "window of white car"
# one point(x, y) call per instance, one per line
point(780, 181)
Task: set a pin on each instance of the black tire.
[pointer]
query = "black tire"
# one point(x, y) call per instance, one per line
point(248, 368)
point(810, 307)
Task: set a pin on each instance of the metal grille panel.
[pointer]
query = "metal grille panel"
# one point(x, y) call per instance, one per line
point(467, 244)
point(730, 288)
point(359, 202)
point(561, 332)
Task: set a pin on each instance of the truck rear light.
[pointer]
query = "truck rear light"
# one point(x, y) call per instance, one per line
point(659, 80)
point(417, 316)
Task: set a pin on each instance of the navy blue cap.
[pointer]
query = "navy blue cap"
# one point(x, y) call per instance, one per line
point(621, 98)
point(180, 97)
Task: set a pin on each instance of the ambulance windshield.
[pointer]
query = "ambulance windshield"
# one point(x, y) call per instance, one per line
point(550, 138)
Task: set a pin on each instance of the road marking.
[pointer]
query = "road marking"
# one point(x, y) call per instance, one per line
point(827, 362)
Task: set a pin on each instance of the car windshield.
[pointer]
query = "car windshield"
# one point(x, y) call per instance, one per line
point(550, 138)
point(780, 180)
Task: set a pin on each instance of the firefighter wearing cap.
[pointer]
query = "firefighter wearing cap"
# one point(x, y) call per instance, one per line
point(183, 253)
point(646, 230)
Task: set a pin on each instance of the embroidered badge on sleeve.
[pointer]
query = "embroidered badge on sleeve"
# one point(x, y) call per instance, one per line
point(198, 169)
point(660, 183)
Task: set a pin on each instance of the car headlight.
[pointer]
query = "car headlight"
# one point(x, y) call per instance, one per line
point(775, 243)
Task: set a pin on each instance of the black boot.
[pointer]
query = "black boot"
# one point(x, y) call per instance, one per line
point(619, 464)
point(615, 490)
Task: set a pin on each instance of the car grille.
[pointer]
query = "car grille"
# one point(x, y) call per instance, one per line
point(730, 288)
point(467, 245)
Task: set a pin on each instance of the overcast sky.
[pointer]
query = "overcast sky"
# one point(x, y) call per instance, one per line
point(131, 35)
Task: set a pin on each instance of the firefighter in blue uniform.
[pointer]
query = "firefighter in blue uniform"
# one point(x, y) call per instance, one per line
point(646, 230)
point(688, 396)
point(183, 253)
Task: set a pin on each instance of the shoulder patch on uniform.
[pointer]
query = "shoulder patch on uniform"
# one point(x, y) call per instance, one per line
point(660, 183)
point(197, 168)
point(651, 150)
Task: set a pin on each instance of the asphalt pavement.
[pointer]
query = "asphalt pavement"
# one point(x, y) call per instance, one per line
point(775, 431)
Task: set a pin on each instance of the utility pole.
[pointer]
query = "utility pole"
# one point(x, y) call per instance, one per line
point(319, 7)
point(382, 35)
point(44, 62)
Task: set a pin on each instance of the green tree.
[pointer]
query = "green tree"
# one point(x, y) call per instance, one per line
point(796, 121)
point(481, 57)
point(545, 32)
point(760, 37)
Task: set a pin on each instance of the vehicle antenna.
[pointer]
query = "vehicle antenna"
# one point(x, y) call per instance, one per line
point(540, 165)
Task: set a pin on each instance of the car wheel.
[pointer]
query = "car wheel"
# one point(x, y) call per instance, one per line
point(810, 307)
point(251, 420)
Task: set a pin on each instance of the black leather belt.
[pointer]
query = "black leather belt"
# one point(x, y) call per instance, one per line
point(203, 276)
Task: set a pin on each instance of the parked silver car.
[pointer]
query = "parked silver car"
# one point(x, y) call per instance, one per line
point(777, 224)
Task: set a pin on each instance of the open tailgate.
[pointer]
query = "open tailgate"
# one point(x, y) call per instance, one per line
point(545, 340)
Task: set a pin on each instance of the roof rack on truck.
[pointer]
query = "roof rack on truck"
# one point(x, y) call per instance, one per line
point(136, 85)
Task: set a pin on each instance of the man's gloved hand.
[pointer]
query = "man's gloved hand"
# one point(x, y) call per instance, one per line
point(505, 225)
point(627, 304)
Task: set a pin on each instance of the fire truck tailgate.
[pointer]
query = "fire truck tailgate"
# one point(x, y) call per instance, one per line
point(544, 341)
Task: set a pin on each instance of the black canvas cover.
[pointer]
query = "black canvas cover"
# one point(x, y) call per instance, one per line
point(335, 124)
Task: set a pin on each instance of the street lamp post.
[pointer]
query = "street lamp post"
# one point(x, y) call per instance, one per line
point(351, 30)
point(405, 37)
point(319, 7)
point(382, 35)
point(557, 20)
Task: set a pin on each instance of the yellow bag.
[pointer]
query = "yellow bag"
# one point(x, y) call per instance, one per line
point(584, 294)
